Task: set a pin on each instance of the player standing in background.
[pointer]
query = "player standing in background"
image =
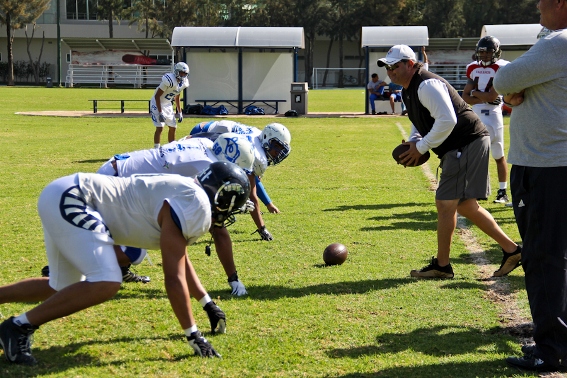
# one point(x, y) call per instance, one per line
point(161, 108)
point(487, 103)
point(271, 147)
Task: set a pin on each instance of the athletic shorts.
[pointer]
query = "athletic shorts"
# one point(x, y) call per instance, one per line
point(464, 172)
point(167, 110)
point(78, 244)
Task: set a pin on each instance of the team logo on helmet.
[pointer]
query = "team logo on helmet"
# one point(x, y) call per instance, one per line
point(231, 150)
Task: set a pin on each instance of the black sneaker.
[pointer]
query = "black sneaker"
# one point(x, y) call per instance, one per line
point(373, 112)
point(216, 317)
point(433, 270)
point(533, 363)
point(129, 276)
point(501, 196)
point(510, 261)
point(529, 350)
point(16, 341)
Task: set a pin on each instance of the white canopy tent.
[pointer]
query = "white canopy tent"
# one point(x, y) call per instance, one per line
point(513, 34)
point(240, 64)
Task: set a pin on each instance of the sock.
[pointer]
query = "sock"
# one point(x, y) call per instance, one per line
point(206, 299)
point(503, 185)
point(156, 145)
point(22, 319)
point(190, 330)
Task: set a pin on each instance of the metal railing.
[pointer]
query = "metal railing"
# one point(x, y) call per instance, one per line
point(137, 76)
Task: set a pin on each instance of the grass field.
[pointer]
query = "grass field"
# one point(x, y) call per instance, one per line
point(365, 318)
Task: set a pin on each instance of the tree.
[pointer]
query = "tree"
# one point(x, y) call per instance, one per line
point(144, 13)
point(110, 10)
point(35, 64)
point(15, 14)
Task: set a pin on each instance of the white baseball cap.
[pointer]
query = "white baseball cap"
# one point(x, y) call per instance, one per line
point(397, 53)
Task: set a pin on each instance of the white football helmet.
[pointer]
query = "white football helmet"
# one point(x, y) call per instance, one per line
point(181, 67)
point(276, 141)
point(234, 148)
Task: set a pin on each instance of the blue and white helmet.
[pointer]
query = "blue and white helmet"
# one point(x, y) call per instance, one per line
point(234, 148)
point(276, 141)
point(181, 67)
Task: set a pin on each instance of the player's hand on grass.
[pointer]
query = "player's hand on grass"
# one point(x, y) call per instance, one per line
point(264, 233)
point(217, 318)
point(273, 208)
point(238, 288)
point(201, 346)
point(161, 117)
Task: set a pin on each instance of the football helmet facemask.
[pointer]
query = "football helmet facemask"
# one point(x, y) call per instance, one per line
point(227, 187)
point(488, 44)
point(276, 141)
point(234, 148)
point(181, 67)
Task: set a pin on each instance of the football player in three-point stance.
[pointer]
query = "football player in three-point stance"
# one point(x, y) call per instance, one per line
point(271, 147)
point(487, 103)
point(161, 108)
point(187, 158)
point(85, 215)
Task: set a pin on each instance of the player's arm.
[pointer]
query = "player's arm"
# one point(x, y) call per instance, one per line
point(467, 90)
point(157, 98)
point(486, 97)
point(264, 197)
point(178, 111)
point(256, 215)
point(174, 253)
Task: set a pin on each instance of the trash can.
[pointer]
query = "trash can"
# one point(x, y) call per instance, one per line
point(49, 82)
point(299, 97)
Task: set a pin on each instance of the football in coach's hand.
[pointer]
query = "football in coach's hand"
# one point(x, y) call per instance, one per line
point(335, 254)
point(400, 149)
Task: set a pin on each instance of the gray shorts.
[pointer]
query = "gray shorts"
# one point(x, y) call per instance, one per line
point(464, 172)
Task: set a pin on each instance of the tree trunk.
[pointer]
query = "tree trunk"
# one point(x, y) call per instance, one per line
point(341, 61)
point(110, 29)
point(10, 78)
point(328, 60)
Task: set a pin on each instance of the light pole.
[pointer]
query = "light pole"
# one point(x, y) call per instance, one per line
point(58, 44)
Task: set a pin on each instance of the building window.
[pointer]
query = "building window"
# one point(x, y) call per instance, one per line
point(68, 58)
point(81, 9)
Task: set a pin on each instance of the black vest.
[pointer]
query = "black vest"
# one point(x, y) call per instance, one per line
point(468, 128)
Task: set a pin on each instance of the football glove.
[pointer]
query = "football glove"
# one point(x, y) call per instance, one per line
point(248, 207)
point(201, 346)
point(238, 288)
point(179, 117)
point(161, 117)
point(216, 317)
point(264, 233)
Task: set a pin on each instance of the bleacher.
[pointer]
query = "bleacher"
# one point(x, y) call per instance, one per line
point(137, 76)
point(455, 74)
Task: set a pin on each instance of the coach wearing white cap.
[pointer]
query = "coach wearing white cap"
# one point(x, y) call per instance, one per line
point(443, 122)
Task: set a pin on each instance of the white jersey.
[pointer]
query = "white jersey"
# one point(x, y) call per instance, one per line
point(252, 133)
point(482, 77)
point(130, 206)
point(171, 88)
point(185, 158)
